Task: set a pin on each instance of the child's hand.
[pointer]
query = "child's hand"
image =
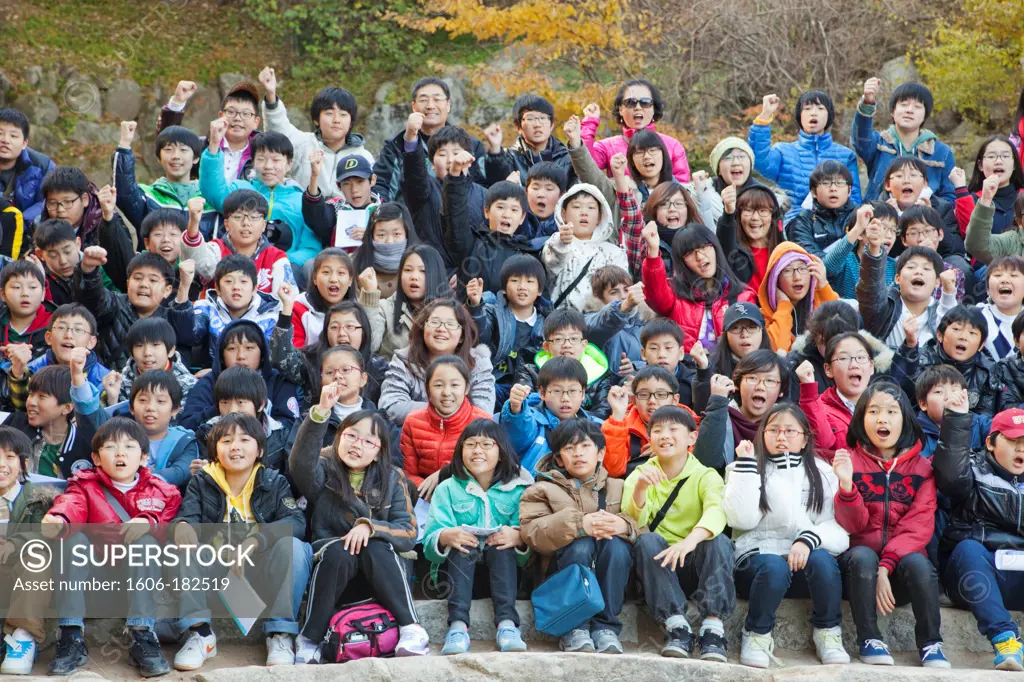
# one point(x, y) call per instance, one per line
point(842, 466)
point(958, 177)
point(884, 599)
point(218, 129)
point(910, 329)
point(592, 110)
point(34, 259)
point(316, 162)
point(745, 450)
point(357, 538)
point(517, 396)
point(453, 282)
point(650, 235)
point(958, 401)
point(634, 297)
point(797, 559)
point(20, 354)
point(413, 125)
point(515, 178)
point(426, 489)
point(675, 555)
point(649, 476)
point(948, 280)
point(565, 233)
point(505, 538)
point(329, 396)
point(193, 467)
point(475, 291)
point(618, 401)
point(184, 91)
point(818, 272)
point(185, 534)
point(112, 386)
point(368, 280)
point(722, 385)
point(133, 529)
point(864, 215)
point(699, 355)
point(51, 526)
point(76, 363)
point(626, 368)
point(127, 134)
point(769, 105)
point(92, 258)
point(618, 165)
point(729, 199)
point(805, 373)
point(700, 181)
point(6, 551)
point(871, 88)
point(268, 79)
point(460, 163)
point(458, 539)
point(572, 131)
point(287, 298)
point(195, 214)
point(108, 202)
point(186, 275)
point(989, 187)
point(875, 236)
point(493, 135)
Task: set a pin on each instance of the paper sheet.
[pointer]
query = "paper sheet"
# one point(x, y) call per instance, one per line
point(238, 597)
point(422, 514)
point(347, 222)
point(1009, 560)
point(480, 532)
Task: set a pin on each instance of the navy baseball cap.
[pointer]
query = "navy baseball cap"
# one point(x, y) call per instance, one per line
point(354, 166)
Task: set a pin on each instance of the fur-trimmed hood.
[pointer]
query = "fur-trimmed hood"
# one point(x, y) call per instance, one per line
point(882, 354)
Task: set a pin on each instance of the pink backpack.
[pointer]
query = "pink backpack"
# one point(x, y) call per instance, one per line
point(363, 630)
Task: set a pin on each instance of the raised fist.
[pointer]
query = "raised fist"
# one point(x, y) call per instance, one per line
point(948, 280)
point(805, 372)
point(745, 450)
point(910, 327)
point(592, 110)
point(618, 401)
point(127, 134)
point(76, 363)
point(368, 280)
point(493, 135)
point(316, 162)
point(572, 131)
point(460, 162)
point(871, 88)
point(699, 355)
point(769, 105)
point(989, 187)
point(475, 291)
point(650, 235)
point(413, 125)
point(516, 396)
point(565, 233)
point(700, 181)
point(108, 201)
point(268, 79)
point(618, 164)
point(958, 177)
point(218, 129)
point(186, 272)
point(184, 91)
point(93, 257)
point(722, 385)
point(729, 199)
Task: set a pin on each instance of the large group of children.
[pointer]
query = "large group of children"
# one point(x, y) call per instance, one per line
point(794, 374)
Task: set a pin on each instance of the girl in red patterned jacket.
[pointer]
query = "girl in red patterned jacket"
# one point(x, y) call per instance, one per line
point(886, 501)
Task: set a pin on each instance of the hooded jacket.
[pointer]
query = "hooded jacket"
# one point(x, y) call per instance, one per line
point(521, 157)
point(404, 388)
point(891, 508)
point(88, 229)
point(30, 506)
point(780, 315)
point(984, 387)
point(27, 182)
point(566, 262)
point(816, 228)
point(428, 439)
point(787, 488)
point(497, 326)
point(212, 317)
point(390, 165)
point(185, 378)
point(986, 498)
point(604, 150)
point(790, 164)
point(625, 440)
point(34, 334)
point(741, 259)
point(84, 501)
point(551, 510)
point(272, 265)
point(528, 431)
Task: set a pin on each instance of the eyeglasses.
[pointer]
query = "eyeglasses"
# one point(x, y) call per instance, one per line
point(536, 120)
point(706, 249)
point(765, 213)
point(426, 99)
point(889, 231)
point(246, 218)
point(633, 102)
point(745, 330)
point(847, 360)
point(343, 370)
point(243, 115)
point(644, 396)
point(751, 380)
point(774, 431)
point(349, 328)
point(450, 325)
point(678, 205)
point(1005, 156)
point(558, 393)
point(62, 329)
point(61, 205)
point(364, 443)
point(653, 151)
point(798, 270)
point(913, 175)
point(563, 340)
point(481, 445)
point(922, 233)
point(736, 157)
point(835, 184)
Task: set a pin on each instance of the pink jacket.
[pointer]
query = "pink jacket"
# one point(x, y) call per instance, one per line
point(603, 150)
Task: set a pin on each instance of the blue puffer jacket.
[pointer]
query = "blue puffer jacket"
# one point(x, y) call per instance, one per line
point(528, 431)
point(29, 171)
point(789, 164)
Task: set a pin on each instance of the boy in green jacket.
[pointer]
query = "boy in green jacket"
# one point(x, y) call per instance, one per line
point(680, 501)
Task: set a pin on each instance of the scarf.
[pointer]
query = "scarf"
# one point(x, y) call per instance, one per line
point(386, 257)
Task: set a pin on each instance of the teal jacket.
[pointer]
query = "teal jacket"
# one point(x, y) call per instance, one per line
point(458, 502)
point(285, 204)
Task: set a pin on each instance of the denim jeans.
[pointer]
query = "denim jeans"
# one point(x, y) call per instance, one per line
point(706, 574)
point(915, 581)
point(501, 569)
point(765, 579)
point(974, 583)
point(610, 560)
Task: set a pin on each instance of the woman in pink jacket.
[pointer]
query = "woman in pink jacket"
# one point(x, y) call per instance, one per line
point(637, 107)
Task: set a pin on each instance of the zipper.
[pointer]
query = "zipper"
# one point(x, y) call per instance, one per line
point(885, 518)
point(1017, 486)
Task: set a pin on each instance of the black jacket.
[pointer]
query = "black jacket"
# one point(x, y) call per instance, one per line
point(522, 158)
point(983, 384)
point(76, 450)
point(986, 500)
point(390, 165)
point(1010, 372)
point(952, 243)
point(818, 227)
point(741, 260)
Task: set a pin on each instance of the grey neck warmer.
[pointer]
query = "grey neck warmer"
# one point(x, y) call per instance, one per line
point(386, 257)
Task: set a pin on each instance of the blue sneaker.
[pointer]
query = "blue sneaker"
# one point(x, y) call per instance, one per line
point(510, 639)
point(1008, 651)
point(932, 656)
point(875, 652)
point(455, 642)
point(20, 653)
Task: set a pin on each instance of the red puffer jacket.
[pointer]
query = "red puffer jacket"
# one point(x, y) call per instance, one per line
point(892, 506)
point(837, 417)
point(428, 441)
point(84, 501)
point(688, 314)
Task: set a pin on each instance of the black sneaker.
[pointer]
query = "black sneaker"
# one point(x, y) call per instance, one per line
point(71, 654)
point(678, 643)
point(712, 646)
point(146, 655)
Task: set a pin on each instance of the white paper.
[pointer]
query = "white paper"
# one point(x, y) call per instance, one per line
point(58, 483)
point(240, 594)
point(4, 416)
point(1009, 560)
point(422, 515)
point(347, 222)
point(480, 532)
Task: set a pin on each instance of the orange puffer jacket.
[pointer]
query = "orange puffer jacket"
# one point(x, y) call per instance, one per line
point(428, 440)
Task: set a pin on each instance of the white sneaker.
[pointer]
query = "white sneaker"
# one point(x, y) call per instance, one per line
point(828, 642)
point(306, 650)
point(280, 649)
point(195, 651)
point(412, 641)
point(757, 651)
point(20, 653)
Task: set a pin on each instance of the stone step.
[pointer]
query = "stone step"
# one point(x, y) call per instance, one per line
point(792, 629)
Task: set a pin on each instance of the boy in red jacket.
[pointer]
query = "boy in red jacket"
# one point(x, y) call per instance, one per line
point(120, 451)
point(886, 501)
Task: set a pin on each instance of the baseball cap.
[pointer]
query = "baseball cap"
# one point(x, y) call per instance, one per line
point(741, 310)
point(354, 166)
point(1010, 423)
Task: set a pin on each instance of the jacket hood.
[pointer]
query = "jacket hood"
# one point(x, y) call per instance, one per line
point(781, 256)
point(593, 360)
point(606, 230)
point(548, 470)
point(38, 493)
point(881, 353)
point(255, 331)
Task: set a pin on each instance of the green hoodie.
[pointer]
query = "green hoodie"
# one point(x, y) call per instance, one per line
point(699, 502)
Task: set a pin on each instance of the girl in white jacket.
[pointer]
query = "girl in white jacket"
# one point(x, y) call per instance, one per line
point(787, 541)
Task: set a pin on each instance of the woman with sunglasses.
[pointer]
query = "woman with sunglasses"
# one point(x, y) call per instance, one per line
point(638, 106)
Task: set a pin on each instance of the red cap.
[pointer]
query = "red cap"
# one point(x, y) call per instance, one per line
point(1010, 423)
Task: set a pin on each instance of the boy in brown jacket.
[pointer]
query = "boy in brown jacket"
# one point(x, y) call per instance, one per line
point(572, 514)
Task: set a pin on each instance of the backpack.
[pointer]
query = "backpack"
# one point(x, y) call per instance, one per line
point(363, 630)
